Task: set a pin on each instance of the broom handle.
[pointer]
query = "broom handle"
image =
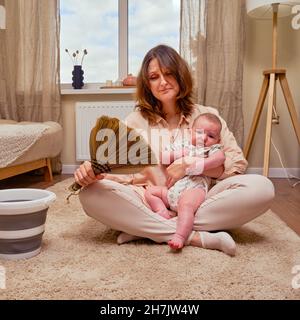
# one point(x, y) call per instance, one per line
point(76, 186)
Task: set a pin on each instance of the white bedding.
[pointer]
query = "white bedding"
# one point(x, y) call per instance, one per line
point(16, 139)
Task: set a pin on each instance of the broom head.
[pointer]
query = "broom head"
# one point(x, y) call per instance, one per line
point(118, 149)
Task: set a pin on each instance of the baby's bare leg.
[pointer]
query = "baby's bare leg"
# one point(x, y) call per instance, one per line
point(156, 197)
point(188, 203)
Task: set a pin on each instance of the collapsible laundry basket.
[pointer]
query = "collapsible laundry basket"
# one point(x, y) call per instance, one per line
point(23, 215)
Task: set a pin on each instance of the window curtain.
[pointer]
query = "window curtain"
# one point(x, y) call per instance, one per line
point(29, 62)
point(212, 37)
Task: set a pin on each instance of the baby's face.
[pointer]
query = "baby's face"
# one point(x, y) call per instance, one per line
point(205, 133)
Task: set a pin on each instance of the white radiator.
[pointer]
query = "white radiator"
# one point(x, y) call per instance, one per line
point(87, 114)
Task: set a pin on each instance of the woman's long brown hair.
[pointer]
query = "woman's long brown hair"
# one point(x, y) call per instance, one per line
point(168, 59)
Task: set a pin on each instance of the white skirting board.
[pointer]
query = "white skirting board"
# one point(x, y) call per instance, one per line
point(69, 168)
point(276, 172)
point(273, 173)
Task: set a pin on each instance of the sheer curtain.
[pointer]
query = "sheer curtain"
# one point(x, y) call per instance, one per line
point(212, 38)
point(29, 62)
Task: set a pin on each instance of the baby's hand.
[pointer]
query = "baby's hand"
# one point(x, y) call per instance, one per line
point(170, 182)
point(177, 242)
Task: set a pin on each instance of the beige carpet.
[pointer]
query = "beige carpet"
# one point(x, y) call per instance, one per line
point(81, 260)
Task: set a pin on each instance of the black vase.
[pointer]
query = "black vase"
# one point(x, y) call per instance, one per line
point(77, 77)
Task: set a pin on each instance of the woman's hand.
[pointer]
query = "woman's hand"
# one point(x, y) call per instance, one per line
point(177, 170)
point(170, 182)
point(85, 175)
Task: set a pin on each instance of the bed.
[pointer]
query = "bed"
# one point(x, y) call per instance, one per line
point(27, 146)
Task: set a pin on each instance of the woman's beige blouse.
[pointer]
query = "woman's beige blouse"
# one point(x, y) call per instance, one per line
point(235, 162)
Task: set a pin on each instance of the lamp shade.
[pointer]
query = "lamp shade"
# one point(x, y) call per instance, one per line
point(262, 9)
point(2, 17)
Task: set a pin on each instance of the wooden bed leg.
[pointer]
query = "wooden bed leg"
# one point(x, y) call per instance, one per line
point(48, 171)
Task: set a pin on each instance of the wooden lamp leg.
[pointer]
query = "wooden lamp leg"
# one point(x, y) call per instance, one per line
point(259, 107)
point(269, 125)
point(290, 104)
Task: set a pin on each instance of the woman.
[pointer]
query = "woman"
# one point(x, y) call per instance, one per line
point(164, 88)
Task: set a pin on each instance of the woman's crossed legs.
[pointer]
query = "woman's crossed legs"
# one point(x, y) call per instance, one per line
point(230, 204)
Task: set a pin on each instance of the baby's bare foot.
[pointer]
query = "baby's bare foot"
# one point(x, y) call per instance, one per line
point(167, 214)
point(177, 242)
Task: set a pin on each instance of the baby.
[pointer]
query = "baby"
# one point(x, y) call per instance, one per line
point(188, 193)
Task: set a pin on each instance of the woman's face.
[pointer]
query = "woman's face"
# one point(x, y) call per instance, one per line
point(163, 84)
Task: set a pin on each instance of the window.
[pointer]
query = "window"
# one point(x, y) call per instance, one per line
point(91, 25)
point(116, 34)
point(151, 23)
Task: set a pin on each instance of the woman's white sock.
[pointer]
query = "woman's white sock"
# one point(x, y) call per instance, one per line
point(124, 237)
point(219, 241)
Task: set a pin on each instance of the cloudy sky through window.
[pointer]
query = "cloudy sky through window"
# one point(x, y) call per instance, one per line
point(93, 25)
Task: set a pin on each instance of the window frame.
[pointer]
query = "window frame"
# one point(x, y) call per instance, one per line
point(123, 39)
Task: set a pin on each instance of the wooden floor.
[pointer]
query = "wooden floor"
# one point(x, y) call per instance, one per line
point(286, 203)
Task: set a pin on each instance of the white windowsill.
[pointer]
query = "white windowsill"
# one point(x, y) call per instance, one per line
point(94, 88)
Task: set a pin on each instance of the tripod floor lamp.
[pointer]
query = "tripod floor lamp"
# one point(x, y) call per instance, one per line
point(265, 9)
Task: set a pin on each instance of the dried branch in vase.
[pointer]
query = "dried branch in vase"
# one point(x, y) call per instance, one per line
point(75, 56)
